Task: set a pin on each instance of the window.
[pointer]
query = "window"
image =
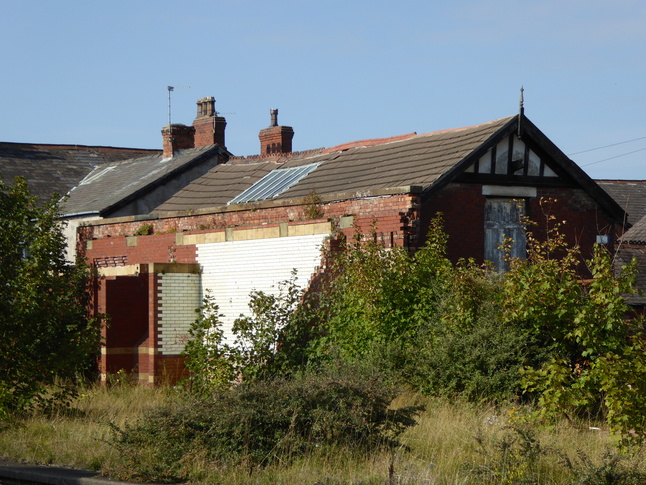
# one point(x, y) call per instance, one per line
point(504, 220)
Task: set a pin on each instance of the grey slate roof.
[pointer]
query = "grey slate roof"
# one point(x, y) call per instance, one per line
point(629, 194)
point(636, 234)
point(53, 169)
point(624, 256)
point(358, 167)
point(113, 184)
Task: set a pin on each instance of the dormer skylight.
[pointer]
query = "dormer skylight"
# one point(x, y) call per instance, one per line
point(273, 184)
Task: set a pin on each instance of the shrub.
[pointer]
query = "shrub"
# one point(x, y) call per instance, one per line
point(145, 230)
point(208, 357)
point(48, 340)
point(261, 422)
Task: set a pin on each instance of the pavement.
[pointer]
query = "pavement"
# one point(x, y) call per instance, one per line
point(11, 472)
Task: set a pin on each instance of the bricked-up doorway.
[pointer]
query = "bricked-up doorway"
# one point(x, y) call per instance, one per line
point(504, 219)
point(126, 300)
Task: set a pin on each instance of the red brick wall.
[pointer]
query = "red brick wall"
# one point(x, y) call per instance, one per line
point(462, 206)
point(395, 217)
point(131, 301)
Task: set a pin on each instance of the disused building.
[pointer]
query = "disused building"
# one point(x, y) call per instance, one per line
point(247, 222)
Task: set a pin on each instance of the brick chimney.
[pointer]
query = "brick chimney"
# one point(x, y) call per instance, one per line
point(177, 137)
point(209, 127)
point(275, 139)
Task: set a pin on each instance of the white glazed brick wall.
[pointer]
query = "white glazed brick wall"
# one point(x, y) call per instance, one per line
point(179, 295)
point(232, 270)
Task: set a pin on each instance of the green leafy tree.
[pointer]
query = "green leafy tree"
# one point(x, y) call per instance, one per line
point(47, 341)
point(596, 348)
point(264, 339)
point(378, 296)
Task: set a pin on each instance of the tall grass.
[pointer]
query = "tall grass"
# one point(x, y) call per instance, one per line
point(78, 436)
point(454, 442)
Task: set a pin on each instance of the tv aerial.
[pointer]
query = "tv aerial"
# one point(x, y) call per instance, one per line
point(171, 89)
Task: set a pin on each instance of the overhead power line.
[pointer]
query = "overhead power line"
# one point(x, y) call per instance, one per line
point(612, 158)
point(607, 146)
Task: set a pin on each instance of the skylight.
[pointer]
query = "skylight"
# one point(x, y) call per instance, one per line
point(274, 183)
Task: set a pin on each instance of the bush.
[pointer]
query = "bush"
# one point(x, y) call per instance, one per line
point(208, 357)
point(48, 341)
point(261, 422)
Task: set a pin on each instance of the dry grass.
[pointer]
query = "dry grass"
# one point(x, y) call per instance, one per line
point(78, 436)
point(454, 442)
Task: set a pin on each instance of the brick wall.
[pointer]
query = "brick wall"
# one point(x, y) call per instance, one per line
point(232, 270)
point(179, 295)
point(237, 251)
point(462, 206)
point(389, 212)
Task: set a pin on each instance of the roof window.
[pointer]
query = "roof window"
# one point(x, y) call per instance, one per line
point(273, 184)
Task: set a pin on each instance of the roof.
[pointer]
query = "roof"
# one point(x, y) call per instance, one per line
point(56, 169)
point(637, 234)
point(624, 256)
point(112, 185)
point(225, 182)
point(629, 194)
point(358, 167)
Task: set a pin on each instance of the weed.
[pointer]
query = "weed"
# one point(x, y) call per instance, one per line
point(145, 230)
point(313, 208)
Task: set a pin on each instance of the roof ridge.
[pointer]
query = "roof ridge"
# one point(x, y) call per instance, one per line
point(491, 122)
point(382, 141)
point(74, 146)
point(369, 142)
point(277, 156)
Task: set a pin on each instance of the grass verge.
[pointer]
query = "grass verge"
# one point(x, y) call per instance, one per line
point(454, 442)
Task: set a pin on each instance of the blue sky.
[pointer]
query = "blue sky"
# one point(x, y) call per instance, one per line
point(96, 73)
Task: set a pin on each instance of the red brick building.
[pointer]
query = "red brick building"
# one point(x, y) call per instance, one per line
point(247, 222)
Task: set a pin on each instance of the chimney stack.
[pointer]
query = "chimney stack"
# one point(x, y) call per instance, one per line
point(275, 139)
point(177, 137)
point(209, 127)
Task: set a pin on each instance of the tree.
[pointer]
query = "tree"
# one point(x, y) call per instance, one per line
point(597, 358)
point(48, 341)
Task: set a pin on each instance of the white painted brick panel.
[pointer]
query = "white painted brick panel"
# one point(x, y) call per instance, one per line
point(233, 269)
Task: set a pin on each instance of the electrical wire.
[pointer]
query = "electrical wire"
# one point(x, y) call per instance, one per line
point(606, 146)
point(612, 158)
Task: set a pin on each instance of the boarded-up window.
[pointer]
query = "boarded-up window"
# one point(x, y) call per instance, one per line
point(504, 220)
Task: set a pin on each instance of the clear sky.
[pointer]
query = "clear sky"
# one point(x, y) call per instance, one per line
point(96, 73)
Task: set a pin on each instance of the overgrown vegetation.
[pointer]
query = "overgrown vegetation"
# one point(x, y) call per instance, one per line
point(264, 422)
point(540, 333)
point(146, 229)
point(453, 442)
point(309, 378)
point(48, 342)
